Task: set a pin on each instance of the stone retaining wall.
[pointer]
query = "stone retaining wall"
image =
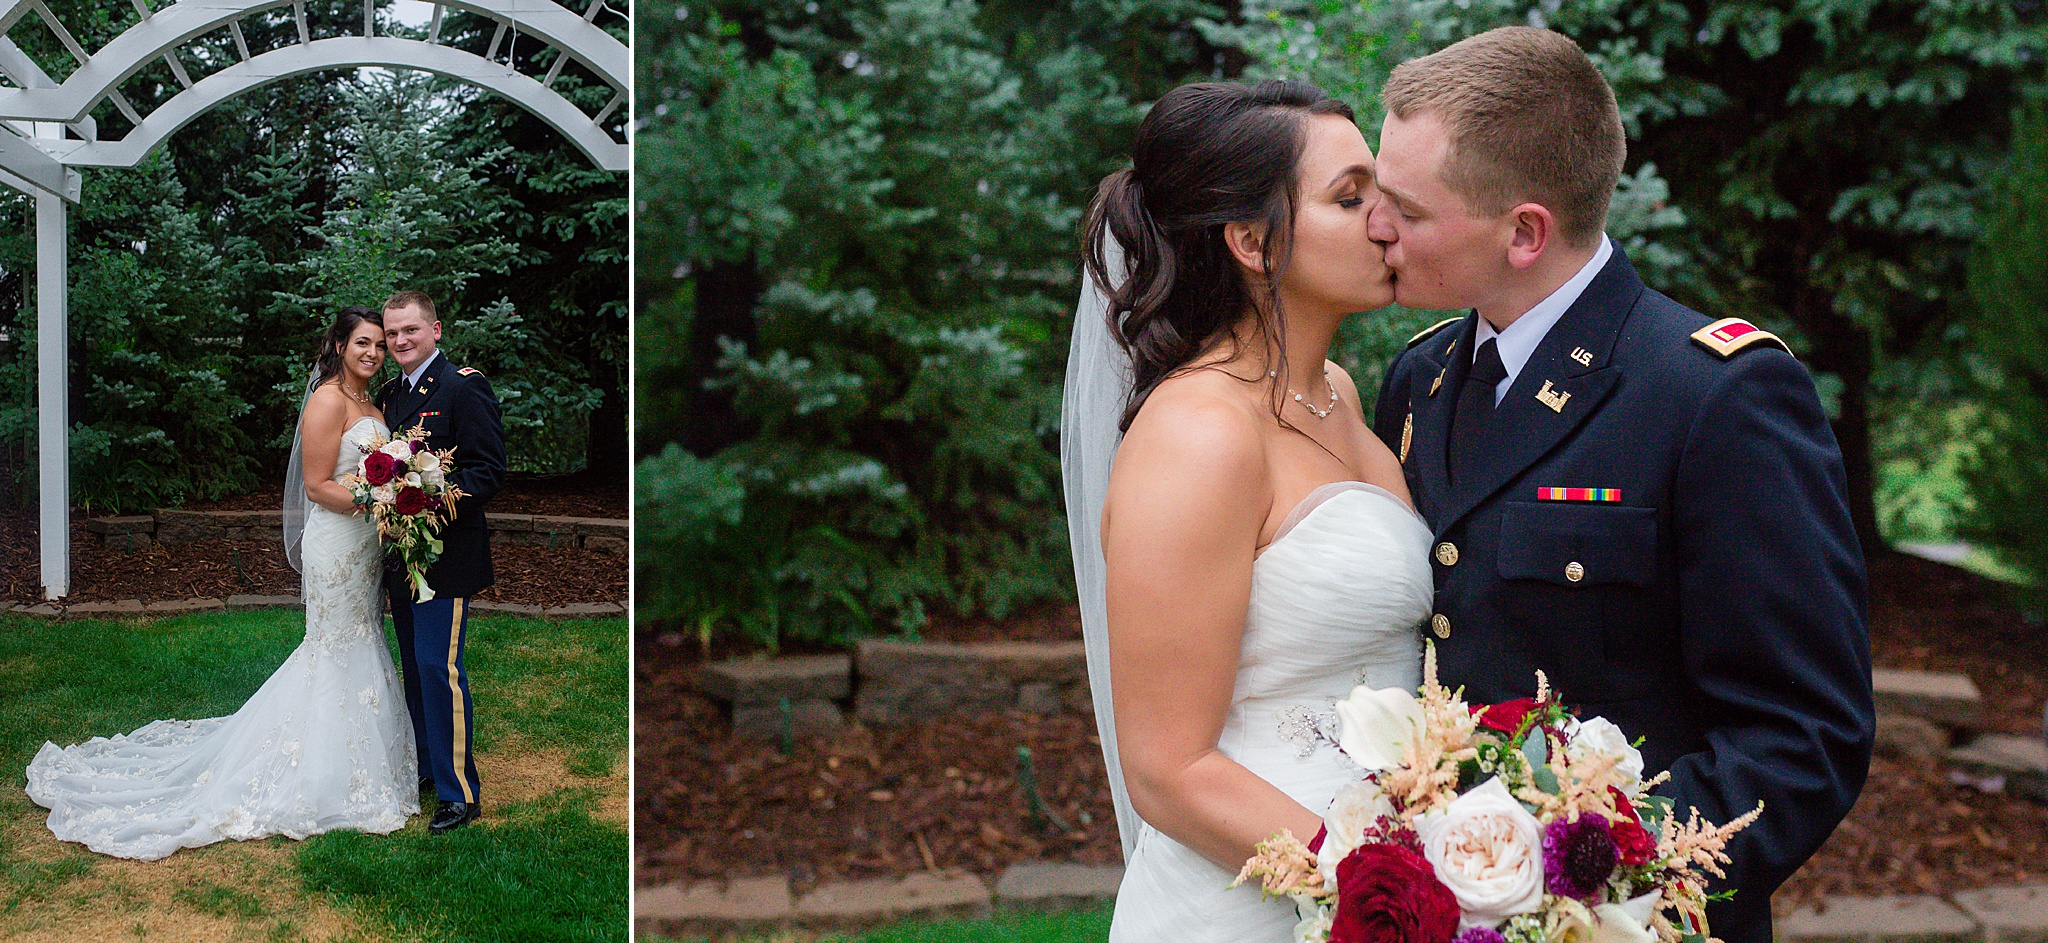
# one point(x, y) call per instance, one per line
point(171, 526)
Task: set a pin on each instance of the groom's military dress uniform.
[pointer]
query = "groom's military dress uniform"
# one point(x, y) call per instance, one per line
point(1655, 516)
point(458, 410)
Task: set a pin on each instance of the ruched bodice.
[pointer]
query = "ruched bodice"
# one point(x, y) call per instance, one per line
point(1336, 601)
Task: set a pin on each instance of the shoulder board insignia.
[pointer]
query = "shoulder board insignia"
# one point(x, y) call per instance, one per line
point(1730, 336)
point(466, 371)
point(1432, 329)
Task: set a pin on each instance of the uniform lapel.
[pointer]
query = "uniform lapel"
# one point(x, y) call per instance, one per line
point(415, 401)
point(395, 394)
point(1571, 369)
point(1431, 404)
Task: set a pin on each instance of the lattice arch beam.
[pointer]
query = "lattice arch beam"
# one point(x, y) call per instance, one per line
point(164, 31)
point(341, 53)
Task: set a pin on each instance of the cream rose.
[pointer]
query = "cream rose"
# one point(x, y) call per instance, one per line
point(1358, 806)
point(384, 494)
point(1377, 725)
point(1598, 736)
point(399, 449)
point(1489, 851)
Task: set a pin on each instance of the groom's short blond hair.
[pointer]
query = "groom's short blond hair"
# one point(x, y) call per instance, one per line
point(411, 297)
point(1530, 120)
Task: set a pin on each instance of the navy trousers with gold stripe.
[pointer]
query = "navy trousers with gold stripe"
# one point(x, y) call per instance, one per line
point(430, 636)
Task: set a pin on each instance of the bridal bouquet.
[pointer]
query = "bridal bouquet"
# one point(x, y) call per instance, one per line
point(1504, 823)
point(404, 486)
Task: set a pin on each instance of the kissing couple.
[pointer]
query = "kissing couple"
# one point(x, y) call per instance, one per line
point(321, 745)
point(1577, 476)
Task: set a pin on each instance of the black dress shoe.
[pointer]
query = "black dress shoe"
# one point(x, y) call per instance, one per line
point(453, 815)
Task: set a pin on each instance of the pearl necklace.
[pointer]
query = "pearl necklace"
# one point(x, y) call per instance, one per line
point(1323, 413)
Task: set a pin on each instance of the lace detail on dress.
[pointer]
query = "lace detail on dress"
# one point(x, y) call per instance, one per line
point(324, 744)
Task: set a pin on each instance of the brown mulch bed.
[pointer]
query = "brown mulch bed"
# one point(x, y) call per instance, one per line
point(886, 801)
point(537, 576)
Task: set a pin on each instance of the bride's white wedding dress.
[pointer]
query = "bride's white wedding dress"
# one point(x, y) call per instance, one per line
point(325, 744)
point(1336, 601)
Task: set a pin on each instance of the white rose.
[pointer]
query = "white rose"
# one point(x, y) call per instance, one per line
point(399, 449)
point(426, 461)
point(433, 479)
point(383, 494)
point(1357, 807)
point(1599, 736)
point(1489, 851)
point(1625, 923)
point(1377, 725)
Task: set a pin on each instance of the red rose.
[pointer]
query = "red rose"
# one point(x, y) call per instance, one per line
point(1636, 844)
point(1507, 715)
point(1390, 894)
point(379, 468)
point(411, 501)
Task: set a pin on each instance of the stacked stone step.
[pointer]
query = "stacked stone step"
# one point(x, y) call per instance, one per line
point(755, 905)
point(906, 681)
point(171, 526)
point(1930, 715)
point(774, 697)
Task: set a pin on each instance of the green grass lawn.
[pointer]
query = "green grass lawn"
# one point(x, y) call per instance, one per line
point(548, 861)
point(1079, 926)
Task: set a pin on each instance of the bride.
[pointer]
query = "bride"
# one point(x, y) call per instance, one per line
point(324, 743)
point(1257, 555)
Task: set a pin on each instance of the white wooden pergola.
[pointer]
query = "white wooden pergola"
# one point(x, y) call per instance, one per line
point(47, 130)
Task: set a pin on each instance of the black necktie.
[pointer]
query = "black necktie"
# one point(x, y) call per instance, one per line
point(1475, 405)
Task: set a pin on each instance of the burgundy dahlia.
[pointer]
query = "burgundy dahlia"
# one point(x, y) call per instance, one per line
point(410, 501)
point(379, 468)
point(1578, 856)
point(1390, 894)
point(418, 446)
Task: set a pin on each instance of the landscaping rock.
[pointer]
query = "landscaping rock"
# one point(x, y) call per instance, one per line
point(902, 681)
point(600, 526)
point(1913, 738)
point(605, 544)
point(180, 527)
point(759, 681)
point(119, 607)
point(1951, 700)
point(1058, 886)
point(263, 602)
point(1892, 919)
point(710, 908)
point(131, 524)
point(923, 895)
point(171, 607)
point(588, 609)
point(518, 609)
point(2023, 761)
point(2009, 914)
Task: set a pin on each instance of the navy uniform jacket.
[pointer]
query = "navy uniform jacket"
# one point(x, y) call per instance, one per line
point(1717, 608)
point(459, 410)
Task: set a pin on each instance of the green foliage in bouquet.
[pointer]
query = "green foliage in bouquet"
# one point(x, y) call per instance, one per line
point(2008, 475)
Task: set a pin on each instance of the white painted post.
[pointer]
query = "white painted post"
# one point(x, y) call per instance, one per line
point(53, 441)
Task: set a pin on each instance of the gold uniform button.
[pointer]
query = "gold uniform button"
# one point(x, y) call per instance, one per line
point(1447, 553)
point(1441, 625)
point(1574, 572)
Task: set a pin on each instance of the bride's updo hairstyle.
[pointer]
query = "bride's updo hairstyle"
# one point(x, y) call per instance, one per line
point(338, 333)
point(1208, 154)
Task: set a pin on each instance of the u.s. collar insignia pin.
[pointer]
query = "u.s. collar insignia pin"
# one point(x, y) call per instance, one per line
point(1552, 398)
point(1583, 356)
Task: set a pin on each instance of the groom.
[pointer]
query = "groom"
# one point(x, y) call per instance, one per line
point(1646, 506)
point(459, 410)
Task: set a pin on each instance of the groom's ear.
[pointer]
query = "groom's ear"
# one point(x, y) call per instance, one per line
point(1533, 231)
point(1247, 242)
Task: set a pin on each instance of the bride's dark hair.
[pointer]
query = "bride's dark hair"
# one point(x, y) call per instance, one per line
point(1208, 154)
point(345, 323)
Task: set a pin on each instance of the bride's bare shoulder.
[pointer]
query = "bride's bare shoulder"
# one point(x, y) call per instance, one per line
point(1205, 423)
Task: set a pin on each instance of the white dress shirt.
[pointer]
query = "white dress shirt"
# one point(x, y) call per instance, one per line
point(1519, 341)
point(412, 380)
